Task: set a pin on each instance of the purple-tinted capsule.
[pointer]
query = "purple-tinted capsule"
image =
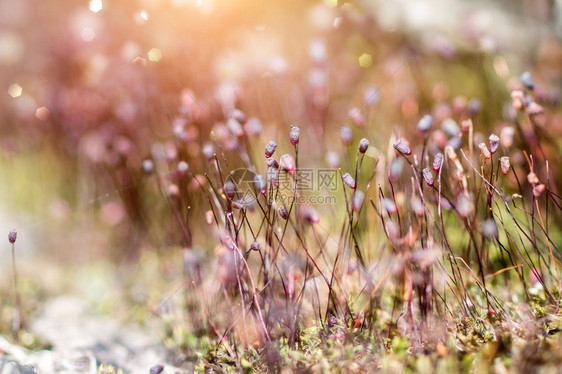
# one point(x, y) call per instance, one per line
point(12, 236)
point(417, 206)
point(464, 206)
point(494, 143)
point(425, 123)
point(147, 167)
point(517, 99)
point(403, 148)
point(173, 191)
point(534, 109)
point(288, 162)
point(208, 151)
point(332, 159)
point(235, 127)
point(438, 161)
point(474, 106)
point(363, 145)
point(532, 178)
point(348, 179)
point(182, 167)
point(261, 185)
point(358, 199)
point(392, 229)
point(485, 151)
point(538, 189)
point(270, 148)
point(466, 125)
point(309, 214)
point(357, 117)
point(346, 135)
point(506, 136)
point(239, 116)
point(427, 176)
point(255, 246)
point(283, 212)
point(371, 95)
point(171, 151)
point(455, 142)
point(181, 134)
point(389, 206)
point(450, 127)
point(527, 79)
point(253, 127)
point(489, 228)
point(272, 163)
point(294, 136)
point(396, 168)
point(244, 204)
point(229, 189)
point(505, 164)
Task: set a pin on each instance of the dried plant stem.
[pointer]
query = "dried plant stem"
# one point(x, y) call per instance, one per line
point(16, 326)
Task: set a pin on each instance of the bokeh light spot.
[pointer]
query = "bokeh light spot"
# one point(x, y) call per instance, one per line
point(112, 213)
point(130, 50)
point(15, 90)
point(42, 113)
point(141, 17)
point(154, 54)
point(96, 5)
point(25, 106)
point(139, 60)
point(87, 34)
point(11, 47)
point(337, 22)
point(331, 3)
point(365, 60)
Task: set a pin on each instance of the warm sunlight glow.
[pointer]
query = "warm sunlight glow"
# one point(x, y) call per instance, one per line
point(95, 5)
